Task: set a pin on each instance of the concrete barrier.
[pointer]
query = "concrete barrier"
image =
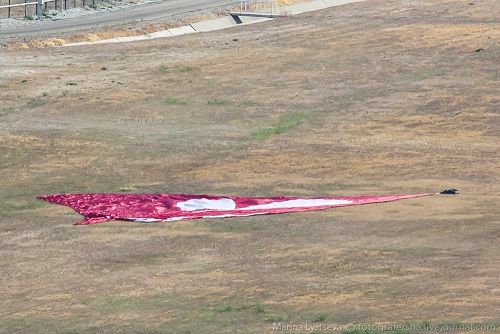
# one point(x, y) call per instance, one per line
point(102, 41)
point(250, 19)
point(181, 30)
point(304, 7)
point(158, 34)
point(132, 38)
point(216, 24)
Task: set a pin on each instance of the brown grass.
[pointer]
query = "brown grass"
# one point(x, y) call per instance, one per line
point(401, 102)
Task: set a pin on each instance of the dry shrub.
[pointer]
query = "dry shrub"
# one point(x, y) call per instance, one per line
point(58, 41)
point(17, 45)
point(36, 44)
point(93, 38)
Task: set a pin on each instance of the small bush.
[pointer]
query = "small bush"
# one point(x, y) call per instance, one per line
point(164, 69)
point(37, 102)
point(260, 308)
point(322, 316)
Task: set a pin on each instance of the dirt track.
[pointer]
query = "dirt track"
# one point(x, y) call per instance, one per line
point(403, 98)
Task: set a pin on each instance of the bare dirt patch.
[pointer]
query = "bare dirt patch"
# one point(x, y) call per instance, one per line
point(403, 98)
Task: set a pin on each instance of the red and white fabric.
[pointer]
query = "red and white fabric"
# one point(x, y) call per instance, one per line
point(98, 208)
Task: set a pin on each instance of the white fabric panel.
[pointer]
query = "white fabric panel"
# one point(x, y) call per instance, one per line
point(207, 204)
point(297, 203)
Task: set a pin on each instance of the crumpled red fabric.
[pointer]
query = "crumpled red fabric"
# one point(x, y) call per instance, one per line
point(98, 208)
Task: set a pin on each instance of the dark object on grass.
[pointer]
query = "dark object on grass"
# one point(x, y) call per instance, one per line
point(480, 50)
point(449, 192)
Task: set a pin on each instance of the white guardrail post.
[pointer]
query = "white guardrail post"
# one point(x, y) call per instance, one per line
point(39, 9)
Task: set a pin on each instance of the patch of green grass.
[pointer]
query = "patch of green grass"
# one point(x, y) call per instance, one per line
point(260, 308)
point(210, 316)
point(37, 102)
point(321, 316)
point(126, 303)
point(287, 123)
point(219, 102)
point(225, 315)
point(23, 295)
point(175, 100)
point(26, 206)
point(163, 69)
point(224, 308)
point(184, 69)
point(420, 76)
point(277, 317)
point(316, 316)
point(173, 80)
point(398, 271)
point(248, 103)
point(7, 111)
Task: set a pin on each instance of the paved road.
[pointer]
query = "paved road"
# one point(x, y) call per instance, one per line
point(141, 13)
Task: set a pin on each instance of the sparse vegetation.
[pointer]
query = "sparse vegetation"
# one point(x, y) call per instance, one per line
point(7, 111)
point(322, 316)
point(163, 69)
point(283, 125)
point(176, 100)
point(37, 102)
point(186, 69)
point(218, 102)
point(172, 81)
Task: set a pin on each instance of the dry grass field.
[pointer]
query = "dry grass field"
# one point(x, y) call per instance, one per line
point(379, 97)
